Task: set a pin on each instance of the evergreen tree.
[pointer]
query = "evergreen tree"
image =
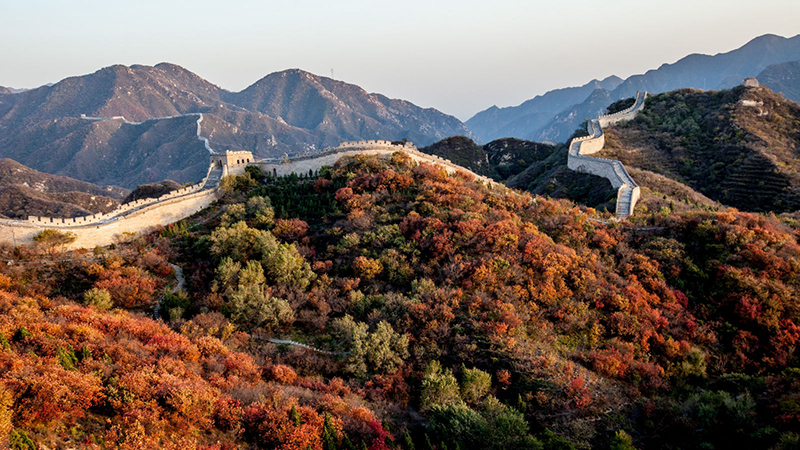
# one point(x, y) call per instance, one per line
point(329, 434)
point(294, 416)
point(408, 443)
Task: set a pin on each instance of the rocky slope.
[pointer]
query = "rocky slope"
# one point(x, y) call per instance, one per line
point(24, 192)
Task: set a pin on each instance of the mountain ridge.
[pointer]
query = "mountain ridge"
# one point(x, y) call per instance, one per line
point(720, 71)
point(42, 127)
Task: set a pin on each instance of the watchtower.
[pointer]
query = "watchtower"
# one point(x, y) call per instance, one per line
point(232, 162)
point(750, 82)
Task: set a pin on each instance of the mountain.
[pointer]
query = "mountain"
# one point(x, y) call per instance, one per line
point(737, 147)
point(5, 90)
point(152, 190)
point(394, 305)
point(333, 108)
point(24, 192)
point(109, 152)
point(720, 71)
point(561, 126)
point(783, 78)
point(286, 112)
point(495, 123)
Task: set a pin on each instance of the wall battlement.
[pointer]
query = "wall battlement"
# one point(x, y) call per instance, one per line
point(132, 217)
point(143, 214)
point(614, 171)
point(304, 163)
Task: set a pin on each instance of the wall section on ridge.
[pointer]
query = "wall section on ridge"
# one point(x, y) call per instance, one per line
point(16, 232)
point(628, 191)
point(304, 164)
point(141, 215)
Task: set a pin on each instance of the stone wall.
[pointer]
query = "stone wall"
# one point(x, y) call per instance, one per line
point(164, 212)
point(614, 171)
point(302, 164)
point(140, 215)
point(626, 114)
point(132, 217)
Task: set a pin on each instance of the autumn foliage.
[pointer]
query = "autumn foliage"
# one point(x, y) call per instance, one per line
point(448, 313)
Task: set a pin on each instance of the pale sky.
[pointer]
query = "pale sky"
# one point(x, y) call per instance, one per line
point(457, 56)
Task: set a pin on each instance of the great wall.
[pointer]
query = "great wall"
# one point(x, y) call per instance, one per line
point(141, 215)
point(627, 190)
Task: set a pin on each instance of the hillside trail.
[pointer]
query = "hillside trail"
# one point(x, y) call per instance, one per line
point(178, 287)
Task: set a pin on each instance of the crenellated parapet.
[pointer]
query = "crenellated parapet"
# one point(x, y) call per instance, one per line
point(141, 215)
point(626, 114)
point(614, 171)
point(122, 210)
point(303, 163)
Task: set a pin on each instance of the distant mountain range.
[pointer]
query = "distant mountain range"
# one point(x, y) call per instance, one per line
point(495, 123)
point(285, 112)
point(715, 72)
point(293, 111)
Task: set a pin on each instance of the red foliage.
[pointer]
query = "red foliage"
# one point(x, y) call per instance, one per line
point(280, 373)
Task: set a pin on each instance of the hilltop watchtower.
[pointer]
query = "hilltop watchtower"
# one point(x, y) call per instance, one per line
point(232, 162)
point(750, 82)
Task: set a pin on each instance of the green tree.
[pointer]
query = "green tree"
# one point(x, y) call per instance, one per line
point(294, 416)
point(227, 276)
point(252, 308)
point(475, 384)
point(408, 443)
point(457, 422)
point(329, 437)
point(505, 427)
point(285, 265)
point(381, 351)
point(66, 357)
point(622, 441)
point(242, 243)
point(234, 214)
point(260, 209)
point(439, 387)
point(21, 441)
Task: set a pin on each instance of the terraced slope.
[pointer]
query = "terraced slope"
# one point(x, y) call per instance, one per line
point(738, 146)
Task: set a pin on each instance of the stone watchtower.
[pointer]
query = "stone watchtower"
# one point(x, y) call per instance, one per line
point(750, 82)
point(232, 162)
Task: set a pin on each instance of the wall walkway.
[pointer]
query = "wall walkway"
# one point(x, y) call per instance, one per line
point(141, 215)
point(303, 163)
point(627, 190)
point(133, 217)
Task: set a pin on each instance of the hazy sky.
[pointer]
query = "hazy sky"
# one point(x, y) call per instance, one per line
point(457, 56)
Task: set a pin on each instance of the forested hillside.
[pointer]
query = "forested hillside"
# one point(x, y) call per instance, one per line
point(454, 316)
point(738, 146)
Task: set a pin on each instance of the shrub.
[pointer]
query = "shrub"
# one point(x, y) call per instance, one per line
point(98, 298)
